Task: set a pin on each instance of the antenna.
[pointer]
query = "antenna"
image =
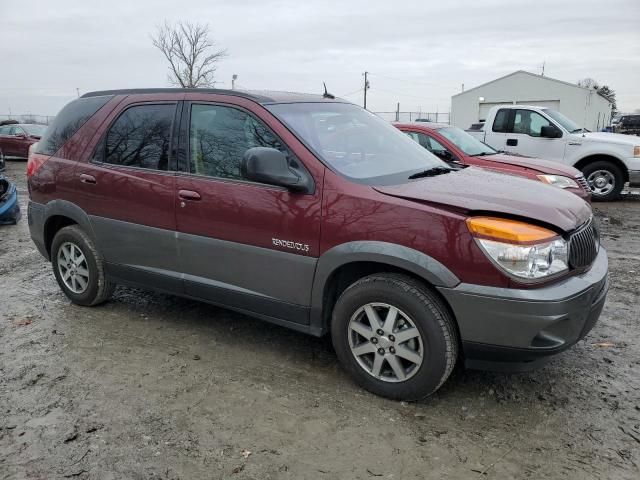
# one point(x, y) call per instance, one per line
point(327, 94)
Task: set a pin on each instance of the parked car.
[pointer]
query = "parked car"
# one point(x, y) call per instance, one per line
point(9, 206)
point(457, 147)
point(607, 160)
point(315, 214)
point(15, 139)
point(628, 125)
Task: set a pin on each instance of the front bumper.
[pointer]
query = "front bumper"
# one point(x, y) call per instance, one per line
point(517, 329)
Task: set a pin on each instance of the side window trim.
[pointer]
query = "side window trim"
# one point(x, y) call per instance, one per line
point(98, 156)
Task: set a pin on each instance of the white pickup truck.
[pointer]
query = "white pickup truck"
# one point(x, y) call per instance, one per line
point(608, 160)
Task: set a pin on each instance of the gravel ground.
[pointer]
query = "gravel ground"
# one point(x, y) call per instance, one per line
point(154, 386)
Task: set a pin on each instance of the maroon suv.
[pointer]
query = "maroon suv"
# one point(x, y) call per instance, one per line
point(314, 214)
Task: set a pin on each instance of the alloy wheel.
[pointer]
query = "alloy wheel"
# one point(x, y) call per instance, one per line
point(385, 342)
point(73, 267)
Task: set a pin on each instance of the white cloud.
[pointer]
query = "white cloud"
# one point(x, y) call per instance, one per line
point(419, 53)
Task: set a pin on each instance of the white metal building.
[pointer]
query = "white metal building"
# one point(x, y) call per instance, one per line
point(582, 105)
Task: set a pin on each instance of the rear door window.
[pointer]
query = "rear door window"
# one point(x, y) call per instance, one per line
point(501, 121)
point(141, 137)
point(68, 122)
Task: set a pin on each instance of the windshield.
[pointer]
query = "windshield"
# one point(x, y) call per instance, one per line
point(465, 142)
point(566, 123)
point(356, 142)
point(35, 130)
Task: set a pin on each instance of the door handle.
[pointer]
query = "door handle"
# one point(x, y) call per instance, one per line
point(512, 142)
point(84, 178)
point(189, 195)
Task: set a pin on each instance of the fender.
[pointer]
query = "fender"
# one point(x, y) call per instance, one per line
point(392, 254)
point(58, 208)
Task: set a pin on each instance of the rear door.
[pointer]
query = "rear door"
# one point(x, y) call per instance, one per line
point(22, 142)
point(128, 189)
point(242, 244)
point(496, 132)
point(523, 137)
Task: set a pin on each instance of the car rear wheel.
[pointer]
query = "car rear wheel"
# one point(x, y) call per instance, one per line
point(605, 180)
point(79, 268)
point(394, 336)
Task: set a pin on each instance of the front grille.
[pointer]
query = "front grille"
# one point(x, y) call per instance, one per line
point(584, 244)
point(583, 182)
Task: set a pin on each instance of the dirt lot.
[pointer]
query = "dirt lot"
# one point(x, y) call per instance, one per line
point(153, 386)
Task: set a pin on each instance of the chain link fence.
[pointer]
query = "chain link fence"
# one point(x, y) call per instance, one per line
point(437, 117)
point(29, 118)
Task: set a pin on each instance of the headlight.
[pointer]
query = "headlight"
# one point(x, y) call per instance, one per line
point(525, 251)
point(636, 151)
point(558, 181)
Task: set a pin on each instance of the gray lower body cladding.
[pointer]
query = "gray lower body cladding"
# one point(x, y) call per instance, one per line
point(634, 178)
point(516, 329)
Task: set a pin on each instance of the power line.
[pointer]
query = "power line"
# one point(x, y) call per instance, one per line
point(404, 80)
point(351, 93)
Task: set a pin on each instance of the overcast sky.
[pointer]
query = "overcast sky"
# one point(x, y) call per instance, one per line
point(418, 52)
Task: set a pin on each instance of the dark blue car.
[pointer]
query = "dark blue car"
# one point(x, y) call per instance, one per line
point(9, 207)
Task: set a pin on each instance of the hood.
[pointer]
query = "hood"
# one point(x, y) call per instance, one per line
point(479, 190)
point(537, 164)
point(607, 137)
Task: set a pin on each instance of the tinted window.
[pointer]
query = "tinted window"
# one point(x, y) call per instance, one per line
point(4, 130)
point(68, 121)
point(141, 137)
point(529, 122)
point(219, 136)
point(501, 120)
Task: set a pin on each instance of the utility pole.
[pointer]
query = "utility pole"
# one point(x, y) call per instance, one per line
point(543, 62)
point(366, 87)
point(234, 77)
point(78, 92)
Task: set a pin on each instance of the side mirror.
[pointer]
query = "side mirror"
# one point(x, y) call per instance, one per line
point(550, 131)
point(271, 166)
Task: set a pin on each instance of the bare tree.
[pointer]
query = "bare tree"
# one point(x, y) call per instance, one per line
point(191, 53)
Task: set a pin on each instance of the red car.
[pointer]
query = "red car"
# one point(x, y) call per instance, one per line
point(455, 146)
point(15, 140)
point(314, 214)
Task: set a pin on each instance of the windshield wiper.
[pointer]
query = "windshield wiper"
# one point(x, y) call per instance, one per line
point(431, 172)
point(482, 154)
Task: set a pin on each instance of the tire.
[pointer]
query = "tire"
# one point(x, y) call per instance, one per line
point(437, 344)
point(94, 287)
point(603, 173)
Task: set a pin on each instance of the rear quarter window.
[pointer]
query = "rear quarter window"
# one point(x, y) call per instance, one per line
point(68, 122)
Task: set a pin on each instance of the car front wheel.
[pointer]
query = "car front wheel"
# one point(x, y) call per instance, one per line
point(394, 336)
point(605, 180)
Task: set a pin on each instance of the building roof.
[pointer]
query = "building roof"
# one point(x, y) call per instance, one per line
point(259, 96)
point(531, 74)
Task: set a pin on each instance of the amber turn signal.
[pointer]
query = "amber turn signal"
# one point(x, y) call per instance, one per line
point(511, 231)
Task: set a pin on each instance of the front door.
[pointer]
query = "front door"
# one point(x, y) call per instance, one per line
point(11, 139)
point(242, 244)
point(524, 137)
point(127, 188)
